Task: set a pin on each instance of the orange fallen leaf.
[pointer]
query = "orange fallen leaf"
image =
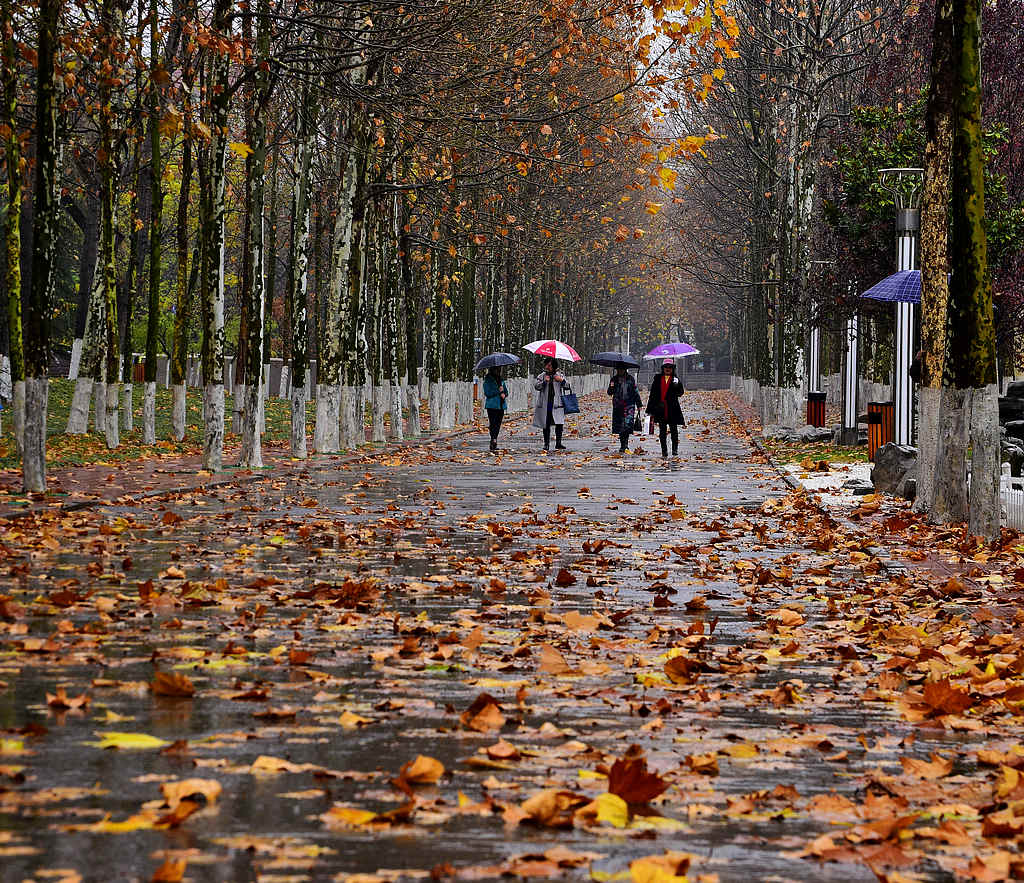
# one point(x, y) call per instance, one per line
point(171, 871)
point(60, 700)
point(630, 780)
point(503, 751)
point(176, 816)
point(172, 684)
point(186, 789)
point(945, 698)
point(936, 768)
point(552, 808)
point(483, 715)
point(706, 764)
point(553, 662)
point(564, 577)
point(422, 771)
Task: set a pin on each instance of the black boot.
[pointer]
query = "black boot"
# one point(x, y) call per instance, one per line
point(494, 444)
point(558, 438)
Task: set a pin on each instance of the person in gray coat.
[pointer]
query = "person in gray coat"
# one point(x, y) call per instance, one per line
point(548, 410)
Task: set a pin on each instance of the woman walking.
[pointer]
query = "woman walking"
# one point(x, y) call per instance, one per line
point(496, 402)
point(663, 406)
point(625, 401)
point(548, 410)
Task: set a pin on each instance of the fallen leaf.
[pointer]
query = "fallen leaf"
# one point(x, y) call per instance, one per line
point(630, 780)
point(422, 771)
point(172, 684)
point(483, 715)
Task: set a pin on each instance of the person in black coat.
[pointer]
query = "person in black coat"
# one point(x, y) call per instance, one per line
point(625, 402)
point(663, 406)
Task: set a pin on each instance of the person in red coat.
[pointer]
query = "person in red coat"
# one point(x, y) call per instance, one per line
point(663, 406)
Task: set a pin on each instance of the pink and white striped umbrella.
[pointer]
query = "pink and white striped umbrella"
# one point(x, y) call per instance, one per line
point(553, 348)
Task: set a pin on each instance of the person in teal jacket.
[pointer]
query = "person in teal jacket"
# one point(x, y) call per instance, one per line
point(496, 402)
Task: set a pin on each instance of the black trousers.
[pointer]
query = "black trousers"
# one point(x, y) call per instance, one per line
point(623, 440)
point(494, 417)
point(663, 430)
point(547, 433)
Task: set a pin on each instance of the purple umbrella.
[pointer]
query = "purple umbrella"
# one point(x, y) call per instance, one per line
point(902, 287)
point(671, 351)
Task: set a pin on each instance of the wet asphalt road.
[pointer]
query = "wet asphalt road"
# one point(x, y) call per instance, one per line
point(433, 527)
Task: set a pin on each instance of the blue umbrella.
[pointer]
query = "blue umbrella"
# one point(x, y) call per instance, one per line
point(496, 360)
point(901, 287)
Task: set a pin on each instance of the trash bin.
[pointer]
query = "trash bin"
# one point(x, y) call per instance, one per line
point(881, 423)
point(816, 408)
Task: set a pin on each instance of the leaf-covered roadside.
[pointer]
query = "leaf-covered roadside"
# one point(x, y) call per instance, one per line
point(488, 670)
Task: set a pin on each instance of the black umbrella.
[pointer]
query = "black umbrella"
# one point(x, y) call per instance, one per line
point(496, 360)
point(614, 360)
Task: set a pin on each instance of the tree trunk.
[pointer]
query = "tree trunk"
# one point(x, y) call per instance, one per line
point(934, 469)
point(354, 355)
point(12, 232)
point(252, 453)
point(297, 317)
point(213, 288)
point(86, 272)
point(155, 224)
point(972, 351)
point(182, 306)
point(395, 353)
point(326, 437)
point(411, 303)
point(44, 236)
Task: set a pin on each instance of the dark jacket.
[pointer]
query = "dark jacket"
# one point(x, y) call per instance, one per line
point(672, 413)
point(625, 401)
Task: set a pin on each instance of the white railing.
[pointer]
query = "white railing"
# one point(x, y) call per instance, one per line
point(1011, 498)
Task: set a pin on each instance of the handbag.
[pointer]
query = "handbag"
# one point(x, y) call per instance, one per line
point(638, 423)
point(569, 401)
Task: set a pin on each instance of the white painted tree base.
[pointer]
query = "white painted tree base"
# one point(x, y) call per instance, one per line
point(127, 408)
point(353, 435)
point(449, 394)
point(986, 459)
point(149, 414)
point(18, 415)
point(33, 460)
point(927, 436)
point(178, 397)
point(213, 427)
point(434, 396)
point(413, 397)
point(395, 408)
point(381, 405)
point(112, 432)
point(298, 433)
point(99, 407)
point(252, 447)
point(465, 410)
point(328, 413)
point(78, 417)
point(238, 407)
point(76, 358)
point(949, 502)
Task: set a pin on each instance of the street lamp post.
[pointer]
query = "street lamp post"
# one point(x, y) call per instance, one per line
point(848, 432)
point(905, 187)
